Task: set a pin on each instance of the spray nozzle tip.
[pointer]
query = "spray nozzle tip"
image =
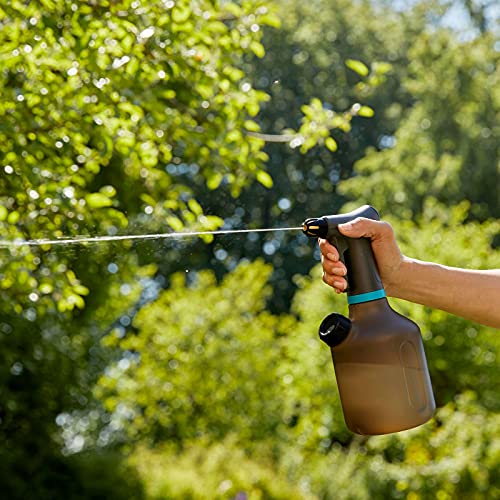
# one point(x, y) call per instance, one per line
point(315, 227)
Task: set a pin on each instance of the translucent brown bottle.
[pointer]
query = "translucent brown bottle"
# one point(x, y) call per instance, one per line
point(378, 354)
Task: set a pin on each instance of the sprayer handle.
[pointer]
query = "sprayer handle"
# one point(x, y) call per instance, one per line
point(356, 253)
point(362, 272)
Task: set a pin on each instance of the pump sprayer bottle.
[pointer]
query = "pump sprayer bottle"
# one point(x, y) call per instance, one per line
point(378, 355)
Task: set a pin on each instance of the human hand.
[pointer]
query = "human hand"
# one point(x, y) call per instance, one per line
point(385, 249)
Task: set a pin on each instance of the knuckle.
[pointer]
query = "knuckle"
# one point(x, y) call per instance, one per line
point(327, 278)
point(386, 228)
point(322, 247)
point(360, 221)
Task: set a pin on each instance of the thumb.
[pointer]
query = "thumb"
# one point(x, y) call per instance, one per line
point(362, 227)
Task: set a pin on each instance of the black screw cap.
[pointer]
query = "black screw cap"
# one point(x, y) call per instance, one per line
point(334, 329)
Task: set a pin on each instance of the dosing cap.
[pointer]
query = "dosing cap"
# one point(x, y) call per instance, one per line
point(334, 329)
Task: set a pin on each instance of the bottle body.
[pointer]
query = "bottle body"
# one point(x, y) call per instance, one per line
point(382, 372)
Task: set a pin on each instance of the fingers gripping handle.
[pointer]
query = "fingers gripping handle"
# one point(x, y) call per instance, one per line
point(362, 274)
point(356, 253)
point(341, 243)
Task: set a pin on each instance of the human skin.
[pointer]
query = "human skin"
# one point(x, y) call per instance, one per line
point(471, 294)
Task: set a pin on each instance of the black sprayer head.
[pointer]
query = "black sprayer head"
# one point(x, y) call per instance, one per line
point(315, 227)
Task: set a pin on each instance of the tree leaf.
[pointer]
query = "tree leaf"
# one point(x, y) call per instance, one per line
point(257, 48)
point(264, 178)
point(366, 111)
point(357, 66)
point(98, 200)
point(331, 144)
point(195, 207)
point(214, 180)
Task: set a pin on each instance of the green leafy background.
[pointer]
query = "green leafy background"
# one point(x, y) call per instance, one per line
point(190, 368)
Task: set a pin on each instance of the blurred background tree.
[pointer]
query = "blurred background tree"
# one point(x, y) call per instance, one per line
point(190, 369)
point(101, 103)
point(446, 147)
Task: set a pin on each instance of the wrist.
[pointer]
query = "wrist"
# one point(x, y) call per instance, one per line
point(394, 284)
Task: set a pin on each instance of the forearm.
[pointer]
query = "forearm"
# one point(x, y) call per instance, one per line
point(471, 294)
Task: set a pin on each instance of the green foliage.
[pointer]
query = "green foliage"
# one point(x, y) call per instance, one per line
point(125, 117)
point(103, 105)
point(297, 420)
point(200, 355)
point(454, 456)
point(447, 145)
point(318, 122)
point(313, 98)
point(202, 470)
point(79, 477)
point(357, 66)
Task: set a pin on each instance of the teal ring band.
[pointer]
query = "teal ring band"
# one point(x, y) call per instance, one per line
point(366, 297)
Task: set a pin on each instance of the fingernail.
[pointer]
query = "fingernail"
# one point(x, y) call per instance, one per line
point(333, 257)
point(339, 272)
point(339, 284)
